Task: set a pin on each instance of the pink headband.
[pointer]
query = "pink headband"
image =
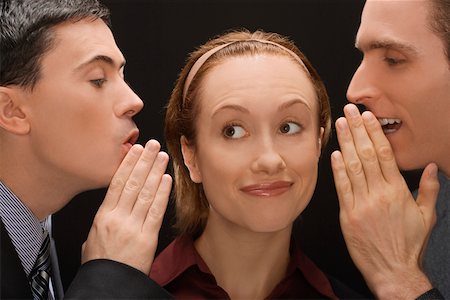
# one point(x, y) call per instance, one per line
point(199, 63)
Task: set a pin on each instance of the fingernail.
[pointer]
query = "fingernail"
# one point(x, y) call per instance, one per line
point(368, 116)
point(136, 149)
point(335, 156)
point(341, 123)
point(152, 145)
point(352, 110)
point(163, 155)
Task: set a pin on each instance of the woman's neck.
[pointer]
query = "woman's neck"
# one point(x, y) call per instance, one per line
point(247, 265)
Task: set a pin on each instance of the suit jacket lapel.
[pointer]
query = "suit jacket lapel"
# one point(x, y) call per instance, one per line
point(56, 277)
point(13, 280)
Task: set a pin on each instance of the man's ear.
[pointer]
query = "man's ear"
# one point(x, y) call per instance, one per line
point(190, 161)
point(12, 116)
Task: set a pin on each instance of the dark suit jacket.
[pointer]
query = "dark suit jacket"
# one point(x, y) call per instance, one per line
point(96, 279)
point(13, 280)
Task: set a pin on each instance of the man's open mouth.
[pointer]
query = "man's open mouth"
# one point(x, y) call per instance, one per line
point(390, 125)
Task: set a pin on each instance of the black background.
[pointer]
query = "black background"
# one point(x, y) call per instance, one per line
point(156, 36)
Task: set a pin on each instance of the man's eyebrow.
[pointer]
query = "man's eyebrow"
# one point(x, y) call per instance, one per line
point(100, 58)
point(387, 44)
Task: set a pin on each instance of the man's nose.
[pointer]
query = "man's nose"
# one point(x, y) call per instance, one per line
point(131, 103)
point(360, 88)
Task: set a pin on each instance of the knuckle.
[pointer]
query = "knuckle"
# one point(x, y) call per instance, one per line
point(106, 223)
point(386, 201)
point(385, 153)
point(354, 219)
point(116, 183)
point(157, 170)
point(345, 136)
point(145, 195)
point(368, 153)
point(130, 160)
point(125, 232)
point(154, 177)
point(357, 122)
point(383, 199)
point(343, 217)
point(162, 160)
point(147, 158)
point(346, 187)
point(372, 125)
point(132, 185)
point(355, 167)
point(154, 213)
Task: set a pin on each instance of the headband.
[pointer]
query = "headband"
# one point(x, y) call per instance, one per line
point(199, 63)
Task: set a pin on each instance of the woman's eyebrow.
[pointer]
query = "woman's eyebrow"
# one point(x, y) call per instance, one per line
point(293, 102)
point(235, 107)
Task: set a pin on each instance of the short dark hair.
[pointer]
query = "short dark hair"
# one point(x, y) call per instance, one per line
point(26, 33)
point(440, 22)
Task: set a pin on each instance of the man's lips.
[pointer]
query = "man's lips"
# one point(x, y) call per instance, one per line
point(132, 138)
point(390, 125)
point(267, 189)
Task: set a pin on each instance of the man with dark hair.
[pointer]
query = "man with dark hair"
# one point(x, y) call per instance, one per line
point(65, 127)
point(404, 82)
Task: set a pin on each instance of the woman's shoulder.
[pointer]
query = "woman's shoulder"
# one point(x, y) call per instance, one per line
point(173, 260)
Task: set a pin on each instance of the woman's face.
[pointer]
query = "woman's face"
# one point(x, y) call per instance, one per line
point(258, 142)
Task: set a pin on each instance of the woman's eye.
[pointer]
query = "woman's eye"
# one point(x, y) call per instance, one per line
point(234, 132)
point(290, 128)
point(98, 82)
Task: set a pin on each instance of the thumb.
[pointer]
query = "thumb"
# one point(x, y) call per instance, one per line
point(428, 192)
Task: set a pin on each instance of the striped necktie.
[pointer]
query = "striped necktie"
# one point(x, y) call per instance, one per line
point(40, 274)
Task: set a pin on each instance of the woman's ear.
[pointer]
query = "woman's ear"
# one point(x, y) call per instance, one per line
point(12, 115)
point(190, 160)
point(322, 130)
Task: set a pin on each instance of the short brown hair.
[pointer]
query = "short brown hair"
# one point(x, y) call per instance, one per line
point(191, 204)
point(440, 22)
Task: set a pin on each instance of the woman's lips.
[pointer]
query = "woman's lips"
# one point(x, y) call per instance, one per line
point(267, 189)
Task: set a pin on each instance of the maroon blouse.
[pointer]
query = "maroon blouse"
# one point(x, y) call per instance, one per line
point(182, 272)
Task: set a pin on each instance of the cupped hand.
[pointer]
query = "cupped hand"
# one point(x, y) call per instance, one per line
point(385, 229)
point(127, 224)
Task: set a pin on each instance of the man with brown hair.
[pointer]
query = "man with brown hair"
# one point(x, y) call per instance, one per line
point(404, 81)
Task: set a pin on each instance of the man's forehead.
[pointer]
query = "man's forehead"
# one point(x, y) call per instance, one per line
point(86, 42)
point(392, 24)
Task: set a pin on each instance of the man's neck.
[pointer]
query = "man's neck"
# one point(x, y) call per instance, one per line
point(41, 196)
